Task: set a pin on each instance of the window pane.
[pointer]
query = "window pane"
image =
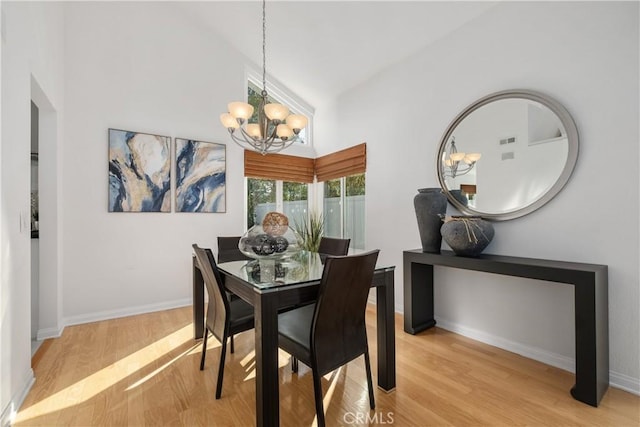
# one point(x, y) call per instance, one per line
point(254, 97)
point(261, 198)
point(331, 208)
point(295, 196)
point(354, 210)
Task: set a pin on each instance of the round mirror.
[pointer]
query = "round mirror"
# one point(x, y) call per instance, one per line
point(507, 154)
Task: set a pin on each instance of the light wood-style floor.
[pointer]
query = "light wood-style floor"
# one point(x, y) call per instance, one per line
point(143, 370)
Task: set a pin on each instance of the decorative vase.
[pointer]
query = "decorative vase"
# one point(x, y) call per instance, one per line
point(430, 205)
point(457, 194)
point(467, 235)
point(259, 243)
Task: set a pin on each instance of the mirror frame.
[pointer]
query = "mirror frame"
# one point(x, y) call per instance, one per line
point(572, 155)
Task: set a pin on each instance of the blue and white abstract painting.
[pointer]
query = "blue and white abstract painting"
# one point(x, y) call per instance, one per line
point(139, 172)
point(200, 176)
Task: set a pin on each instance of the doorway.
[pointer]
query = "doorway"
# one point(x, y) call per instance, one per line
point(35, 231)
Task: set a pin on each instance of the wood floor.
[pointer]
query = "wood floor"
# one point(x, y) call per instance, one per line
point(143, 370)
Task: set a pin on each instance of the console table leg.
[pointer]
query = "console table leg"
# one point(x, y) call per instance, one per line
point(592, 337)
point(418, 297)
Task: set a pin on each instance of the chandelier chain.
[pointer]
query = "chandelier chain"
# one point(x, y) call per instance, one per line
point(264, 47)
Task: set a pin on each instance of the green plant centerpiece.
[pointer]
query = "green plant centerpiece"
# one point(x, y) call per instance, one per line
point(310, 228)
point(467, 235)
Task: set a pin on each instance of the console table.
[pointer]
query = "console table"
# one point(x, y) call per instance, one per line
point(590, 283)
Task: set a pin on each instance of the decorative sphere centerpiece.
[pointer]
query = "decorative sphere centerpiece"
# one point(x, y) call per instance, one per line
point(272, 240)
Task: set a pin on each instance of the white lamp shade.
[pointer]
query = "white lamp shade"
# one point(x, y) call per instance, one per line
point(284, 132)
point(474, 157)
point(240, 110)
point(253, 129)
point(456, 157)
point(296, 121)
point(448, 162)
point(276, 111)
point(228, 121)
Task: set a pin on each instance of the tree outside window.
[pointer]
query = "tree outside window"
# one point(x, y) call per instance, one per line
point(261, 198)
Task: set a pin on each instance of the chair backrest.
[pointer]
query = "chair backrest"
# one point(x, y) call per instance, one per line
point(218, 308)
point(338, 332)
point(228, 250)
point(332, 246)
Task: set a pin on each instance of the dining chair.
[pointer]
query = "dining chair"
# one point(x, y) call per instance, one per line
point(228, 250)
point(225, 317)
point(333, 246)
point(332, 332)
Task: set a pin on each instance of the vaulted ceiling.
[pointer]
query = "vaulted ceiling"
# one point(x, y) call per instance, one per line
point(318, 49)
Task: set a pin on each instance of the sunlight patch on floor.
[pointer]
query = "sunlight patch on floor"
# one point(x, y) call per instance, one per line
point(161, 368)
point(249, 363)
point(99, 381)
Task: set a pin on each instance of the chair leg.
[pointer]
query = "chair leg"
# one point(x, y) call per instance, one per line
point(317, 390)
point(204, 348)
point(294, 364)
point(367, 364)
point(232, 349)
point(223, 352)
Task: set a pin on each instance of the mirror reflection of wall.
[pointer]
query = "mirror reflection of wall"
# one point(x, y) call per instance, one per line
point(524, 149)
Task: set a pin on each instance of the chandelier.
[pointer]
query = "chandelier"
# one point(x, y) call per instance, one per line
point(458, 163)
point(275, 130)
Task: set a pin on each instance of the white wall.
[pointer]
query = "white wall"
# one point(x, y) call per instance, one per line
point(32, 47)
point(139, 67)
point(586, 56)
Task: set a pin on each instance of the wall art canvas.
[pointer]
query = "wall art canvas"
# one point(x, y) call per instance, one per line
point(139, 172)
point(200, 176)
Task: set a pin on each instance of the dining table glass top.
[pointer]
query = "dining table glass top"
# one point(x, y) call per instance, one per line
point(301, 267)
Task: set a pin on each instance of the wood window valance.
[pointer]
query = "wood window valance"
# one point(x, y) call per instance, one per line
point(278, 166)
point(349, 161)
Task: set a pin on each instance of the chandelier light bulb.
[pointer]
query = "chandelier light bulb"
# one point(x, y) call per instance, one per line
point(297, 122)
point(474, 157)
point(456, 157)
point(253, 130)
point(276, 112)
point(228, 121)
point(240, 110)
point(284, 132)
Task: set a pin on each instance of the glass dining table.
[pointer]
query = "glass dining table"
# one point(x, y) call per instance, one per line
point(270, 285)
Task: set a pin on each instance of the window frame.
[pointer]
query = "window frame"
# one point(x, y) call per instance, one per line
point(278, 91)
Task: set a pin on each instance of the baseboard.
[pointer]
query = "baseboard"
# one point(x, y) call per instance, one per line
point(617, 380)
point(125, 312)
point(546, 357)
point(625, 382)
point(43, 334)
point(9, 412)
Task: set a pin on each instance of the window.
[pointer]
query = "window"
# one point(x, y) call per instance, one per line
point(343, 209)
point(275, 94)
point(261, 198)
point(267, 195)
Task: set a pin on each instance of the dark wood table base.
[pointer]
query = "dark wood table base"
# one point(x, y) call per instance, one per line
point(590, 282)
point(266, 303)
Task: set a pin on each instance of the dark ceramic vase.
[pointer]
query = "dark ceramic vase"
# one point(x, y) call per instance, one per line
point(457, 194)
point(467, 235)
point(430, 205)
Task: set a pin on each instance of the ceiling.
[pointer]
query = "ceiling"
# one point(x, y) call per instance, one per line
point(319, 49)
